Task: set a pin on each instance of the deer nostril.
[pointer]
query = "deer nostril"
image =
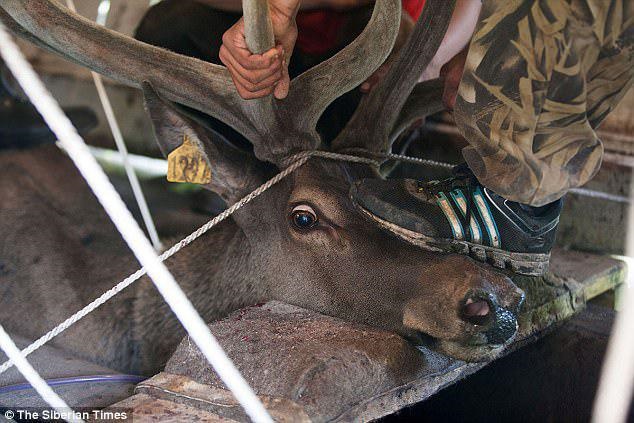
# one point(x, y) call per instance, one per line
point(496, 323)
point(476, 311)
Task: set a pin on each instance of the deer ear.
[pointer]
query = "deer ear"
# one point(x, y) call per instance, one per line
point(234, 173)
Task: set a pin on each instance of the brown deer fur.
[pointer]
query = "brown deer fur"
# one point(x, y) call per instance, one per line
point(345, 266)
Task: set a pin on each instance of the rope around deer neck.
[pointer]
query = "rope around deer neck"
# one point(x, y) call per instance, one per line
point(295, 162)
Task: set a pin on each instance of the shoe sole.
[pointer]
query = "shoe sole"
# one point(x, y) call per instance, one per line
point(529, 264)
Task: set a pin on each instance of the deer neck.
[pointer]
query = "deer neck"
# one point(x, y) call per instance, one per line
point(217, 276)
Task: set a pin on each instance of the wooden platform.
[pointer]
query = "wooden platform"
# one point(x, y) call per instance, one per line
point(310, 367)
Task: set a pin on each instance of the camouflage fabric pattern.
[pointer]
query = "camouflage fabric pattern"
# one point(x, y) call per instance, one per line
point(540, 77)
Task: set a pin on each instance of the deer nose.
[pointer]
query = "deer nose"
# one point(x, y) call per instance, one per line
point(476, 311)
point(498, 324)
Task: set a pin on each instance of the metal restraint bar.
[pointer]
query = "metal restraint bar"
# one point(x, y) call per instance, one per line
point(115, 129)
point(616, 385)
point(129, 228)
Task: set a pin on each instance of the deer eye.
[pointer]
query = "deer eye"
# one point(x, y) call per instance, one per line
point(303, 217)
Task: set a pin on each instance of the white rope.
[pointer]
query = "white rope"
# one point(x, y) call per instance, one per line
point(600, 195)
point(297, 161)
point(584, 192)
point(294, 163)
point(118, 138)
point(141, 272)
point(616, 384)
point(167, 286)
point(32, 376)
point(419, 161)
point(129, 229)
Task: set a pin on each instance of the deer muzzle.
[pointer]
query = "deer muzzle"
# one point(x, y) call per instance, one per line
point(496, 324)
point(482, 319)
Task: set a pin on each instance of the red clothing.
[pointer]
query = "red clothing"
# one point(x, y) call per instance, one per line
point(319, 29)
point(414, 8)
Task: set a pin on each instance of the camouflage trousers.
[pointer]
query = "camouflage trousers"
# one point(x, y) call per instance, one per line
point(540, 76)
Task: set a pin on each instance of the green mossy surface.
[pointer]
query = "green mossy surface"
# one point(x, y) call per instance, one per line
point(551, 299)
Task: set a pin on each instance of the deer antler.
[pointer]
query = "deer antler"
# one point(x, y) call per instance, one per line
point(313, 91)
point(293, 120)
point(425, 100)
point(373, 125)
point(270, 143)
point(276, 128)
point(185, 80)
point(257, 26)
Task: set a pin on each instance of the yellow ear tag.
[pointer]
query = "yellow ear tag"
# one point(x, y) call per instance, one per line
point(188, 164)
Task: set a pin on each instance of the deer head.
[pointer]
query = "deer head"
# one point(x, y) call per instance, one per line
point(305, 242)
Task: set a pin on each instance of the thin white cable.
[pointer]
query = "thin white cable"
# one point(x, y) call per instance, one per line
point(132, 176)
point(33, 377)
point(616, 385)
point(57, 330)
point(617, 381)
point(115, 129)
point(584, 192)
point(150, 167)
point(128, 227)
point(145, 167)
point(295, 162)
point(600, 195)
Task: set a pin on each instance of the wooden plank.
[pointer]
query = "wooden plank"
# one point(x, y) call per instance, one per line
point(325, 369)
point(216, 401)
point(142, 408)
point(575, 278)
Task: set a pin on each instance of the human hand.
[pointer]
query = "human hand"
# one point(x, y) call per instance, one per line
point(259, 75)
point(451, 72)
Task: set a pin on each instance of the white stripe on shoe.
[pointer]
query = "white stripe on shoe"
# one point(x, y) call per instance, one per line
point(487, 218)
point(461, 202)
point(445, 206)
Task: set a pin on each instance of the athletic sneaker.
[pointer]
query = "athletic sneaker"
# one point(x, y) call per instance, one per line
point(459, 215)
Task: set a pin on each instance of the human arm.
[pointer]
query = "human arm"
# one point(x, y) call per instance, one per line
point(459, 33)
point(448, 58)
point(258, 75)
